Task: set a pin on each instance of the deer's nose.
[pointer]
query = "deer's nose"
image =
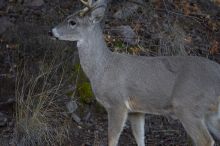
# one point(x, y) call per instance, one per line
point(50, 33)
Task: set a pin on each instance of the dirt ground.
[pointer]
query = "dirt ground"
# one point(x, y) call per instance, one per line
point(168, 27)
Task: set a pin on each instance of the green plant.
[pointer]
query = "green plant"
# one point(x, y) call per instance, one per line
point(83, 87)
point(85, 92)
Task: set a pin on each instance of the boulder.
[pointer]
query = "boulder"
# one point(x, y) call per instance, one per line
point(127, 34)
point(3, 120)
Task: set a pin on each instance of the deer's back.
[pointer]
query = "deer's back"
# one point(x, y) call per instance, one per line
point(157, 82)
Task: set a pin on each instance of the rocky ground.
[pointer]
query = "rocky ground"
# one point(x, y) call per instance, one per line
point(45, 99)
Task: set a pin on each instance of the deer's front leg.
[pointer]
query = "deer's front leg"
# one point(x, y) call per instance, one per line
point(137, 124)
point(117, 117)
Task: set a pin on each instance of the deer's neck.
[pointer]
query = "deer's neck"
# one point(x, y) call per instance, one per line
point(93, 53)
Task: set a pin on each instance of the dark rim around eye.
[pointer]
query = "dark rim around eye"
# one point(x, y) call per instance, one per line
point(72, 22)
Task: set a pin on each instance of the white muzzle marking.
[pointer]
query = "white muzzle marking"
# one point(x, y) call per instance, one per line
point(55, 33)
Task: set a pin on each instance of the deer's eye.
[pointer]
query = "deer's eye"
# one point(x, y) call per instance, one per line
point(72, 22)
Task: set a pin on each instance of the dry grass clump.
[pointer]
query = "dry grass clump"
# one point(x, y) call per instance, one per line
point(41, 116)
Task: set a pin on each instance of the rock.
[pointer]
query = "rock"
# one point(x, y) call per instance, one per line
point(20, 1)
point(10, 100)
point(11, 124)
point(66, 4)
point(88, 124)
point(86, 118)
point(127, 33)
point(76, 118)
point(126, 10)
point(35, 3)
point(4, 24)
point(3, 4)
point(3, 120)
point(86, 144)
point(71, 106)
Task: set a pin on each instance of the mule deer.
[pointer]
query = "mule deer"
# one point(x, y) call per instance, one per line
point(186, 88)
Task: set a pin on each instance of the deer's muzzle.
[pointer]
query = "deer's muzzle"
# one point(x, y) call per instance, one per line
point(54, 34)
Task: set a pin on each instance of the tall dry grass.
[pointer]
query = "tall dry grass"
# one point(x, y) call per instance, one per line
point(41, 116)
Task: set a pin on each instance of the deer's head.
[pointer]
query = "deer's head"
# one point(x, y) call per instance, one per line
point(75, 27)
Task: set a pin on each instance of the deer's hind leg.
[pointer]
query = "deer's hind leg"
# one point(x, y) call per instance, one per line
point(116, 121)
point(197, 129)
point(137, 124)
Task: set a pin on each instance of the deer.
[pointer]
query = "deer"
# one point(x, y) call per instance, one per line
point(186, 88)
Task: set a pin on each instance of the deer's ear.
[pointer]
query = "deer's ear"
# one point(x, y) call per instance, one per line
point(97, 14)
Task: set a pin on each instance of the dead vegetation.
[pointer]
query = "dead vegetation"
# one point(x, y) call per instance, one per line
point(40, 113)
